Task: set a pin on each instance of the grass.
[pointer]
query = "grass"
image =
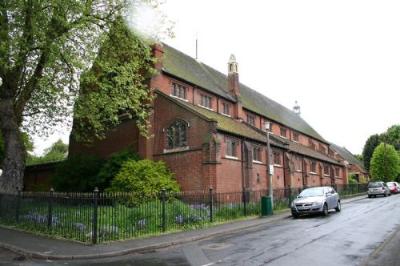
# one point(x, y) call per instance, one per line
point(117, 221)
point(72, 218)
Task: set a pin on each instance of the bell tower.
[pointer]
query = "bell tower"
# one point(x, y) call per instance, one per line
point(233, 76)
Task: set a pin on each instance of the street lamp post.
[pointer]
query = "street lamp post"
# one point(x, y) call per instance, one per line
point(270, 169)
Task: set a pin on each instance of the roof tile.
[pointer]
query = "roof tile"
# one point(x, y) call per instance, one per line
point(187, 68)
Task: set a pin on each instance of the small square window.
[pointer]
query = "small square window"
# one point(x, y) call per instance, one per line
point(326, 169)
point(251, 119)
point(295, 136)
point(313, 167)
point(225, 108)
point(283, 132)
point(231, 147)
point(257, 154)
point(178, 90)
point(205, 101)
point(311, 144)
point(277, 158)
point(321, 148)
point(337, 171)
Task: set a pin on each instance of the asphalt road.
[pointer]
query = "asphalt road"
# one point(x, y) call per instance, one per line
point(365, 232)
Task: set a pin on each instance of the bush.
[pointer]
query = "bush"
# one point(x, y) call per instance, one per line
point(352, 179)
point(113, 165)
point(145, 178)
point(78, 174)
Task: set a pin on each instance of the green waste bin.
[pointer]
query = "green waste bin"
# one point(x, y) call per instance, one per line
point(266, 206)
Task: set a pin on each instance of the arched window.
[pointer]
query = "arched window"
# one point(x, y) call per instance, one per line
point(177, 134)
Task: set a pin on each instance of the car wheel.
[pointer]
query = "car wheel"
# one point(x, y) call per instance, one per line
point(325, 210)
point(385, 194)
point(295, 215)
point(374, 196)
point(338, 207)
point(369, 196)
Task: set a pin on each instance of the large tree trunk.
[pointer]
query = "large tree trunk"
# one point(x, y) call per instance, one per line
point(13, 165)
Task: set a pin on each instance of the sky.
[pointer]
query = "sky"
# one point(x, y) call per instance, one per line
point(339, 59)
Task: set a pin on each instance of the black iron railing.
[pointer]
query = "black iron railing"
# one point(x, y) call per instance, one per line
point(100, 217)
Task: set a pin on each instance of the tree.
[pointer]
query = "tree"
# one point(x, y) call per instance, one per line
point(359, 157)
point(78, 174)
point(58, 151)
point(385, 163)
point(116, 86)
point(27, 142)
point(369, 147)
point(392, 136)
point(44, 46)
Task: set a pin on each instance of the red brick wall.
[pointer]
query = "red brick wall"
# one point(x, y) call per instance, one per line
point(166, 112)
point(38, 177)
point(229, 176)
point(188, 166)
point(297, 180)
point(278, 180)
point(259, 179)
point(188, 169)
point(125, 135)
point(229, 172)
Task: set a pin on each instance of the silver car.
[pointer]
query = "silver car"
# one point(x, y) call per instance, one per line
point(316, 200)
point(378, 188)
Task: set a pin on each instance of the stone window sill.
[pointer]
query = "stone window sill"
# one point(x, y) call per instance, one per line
point(179, 98)
point(231, 157)
point(176, 149)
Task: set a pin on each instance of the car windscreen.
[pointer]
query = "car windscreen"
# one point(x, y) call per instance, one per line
point(390, 184)
point(312, 192)
point(375, 184)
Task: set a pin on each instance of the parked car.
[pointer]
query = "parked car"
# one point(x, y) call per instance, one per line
point(316, 200)
point(378, 188)
point(393, 187)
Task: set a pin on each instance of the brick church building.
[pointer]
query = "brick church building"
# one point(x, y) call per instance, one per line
point(211, 131)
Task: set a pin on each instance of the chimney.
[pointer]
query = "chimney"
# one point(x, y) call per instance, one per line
point(233, 77)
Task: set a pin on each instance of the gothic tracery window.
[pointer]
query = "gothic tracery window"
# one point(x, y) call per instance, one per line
point(177, 134)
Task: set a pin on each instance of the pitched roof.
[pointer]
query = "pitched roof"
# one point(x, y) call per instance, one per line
point(189, 69)
point(348, 156)
point(304, 150)
point(234, 127)
point(298, 148)
point(225, 123)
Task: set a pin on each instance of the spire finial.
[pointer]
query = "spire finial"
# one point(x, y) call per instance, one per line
point(232, 64)
point(296, 108)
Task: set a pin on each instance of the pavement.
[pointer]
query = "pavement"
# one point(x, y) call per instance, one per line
point(41, 247)
point(387, 253)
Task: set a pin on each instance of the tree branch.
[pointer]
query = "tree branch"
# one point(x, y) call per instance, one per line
point(4, 39)
point(24, 47)
point(26, 93)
